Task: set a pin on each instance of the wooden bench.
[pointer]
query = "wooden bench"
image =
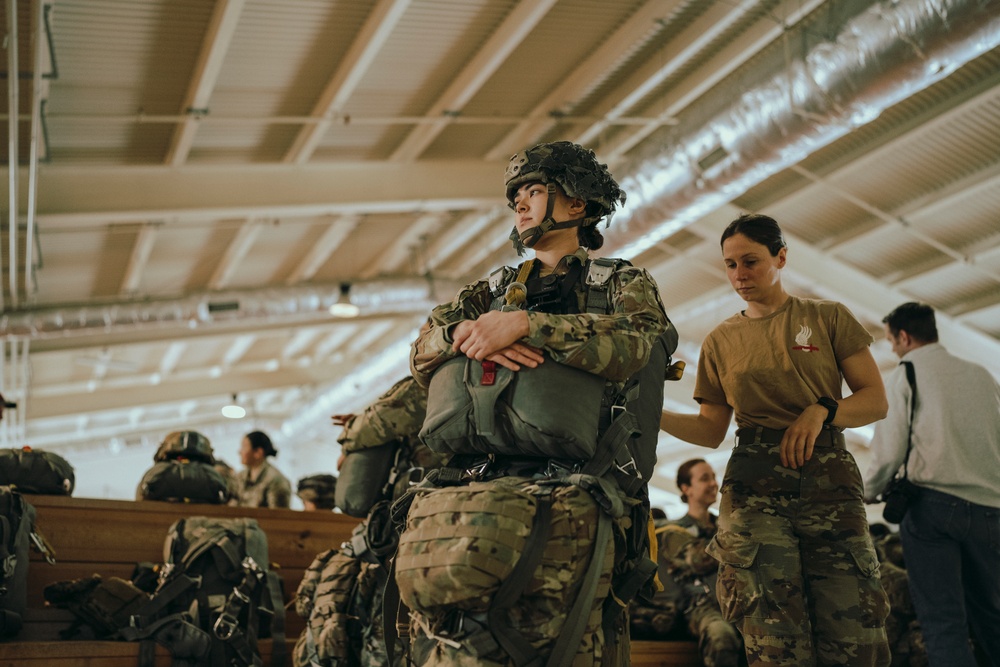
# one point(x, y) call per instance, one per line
point(108, 537)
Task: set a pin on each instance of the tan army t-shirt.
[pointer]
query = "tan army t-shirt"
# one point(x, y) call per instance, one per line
point(770, 369)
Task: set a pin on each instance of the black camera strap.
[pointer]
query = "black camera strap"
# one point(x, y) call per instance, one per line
point(911, 377)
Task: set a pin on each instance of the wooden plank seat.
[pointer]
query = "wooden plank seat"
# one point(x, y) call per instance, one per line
point(108, 537)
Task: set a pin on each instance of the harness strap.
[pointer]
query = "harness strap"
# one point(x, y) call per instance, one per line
point(278, 647)
point(566, 646)
point(599, 272)
point(520, 650)
point(612, 451)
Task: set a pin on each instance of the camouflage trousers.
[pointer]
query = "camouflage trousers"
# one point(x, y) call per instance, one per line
point(718, 640)
point(798, 572)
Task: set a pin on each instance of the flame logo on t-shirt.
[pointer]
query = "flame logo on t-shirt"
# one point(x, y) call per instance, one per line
point(802, 338)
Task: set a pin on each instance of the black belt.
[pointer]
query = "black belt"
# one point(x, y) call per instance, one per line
point(748, 435)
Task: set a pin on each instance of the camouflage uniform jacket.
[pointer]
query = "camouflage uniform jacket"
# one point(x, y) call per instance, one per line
point(683, 542)
point(270, 489)
point(397, 413)
point(613, 346)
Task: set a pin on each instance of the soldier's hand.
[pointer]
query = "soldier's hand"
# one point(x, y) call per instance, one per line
point(517, 355)
point(341, 420)
point(495, 335)
point(800, 438)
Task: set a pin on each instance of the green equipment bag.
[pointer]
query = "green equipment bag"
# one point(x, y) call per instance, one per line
point(363, 477)
point(36, 471)
point(215, 590)
point(185, 482)
point(17, 533)
point(482, 407)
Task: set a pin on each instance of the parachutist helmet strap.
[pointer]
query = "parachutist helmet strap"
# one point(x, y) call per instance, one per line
point(529, 237)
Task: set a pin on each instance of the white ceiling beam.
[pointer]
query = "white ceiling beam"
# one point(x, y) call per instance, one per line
point(463, 234)
point(172, 357)
point(238, 349)
point(396, 253)
point(491, 55)
point(571, 89)
point(710, 74)
point(367, 43)
point(335, 339)
point(299, 342)
point(678, 52)
point(143, 246)
point(218, 37)
point(235, 253)
point(871, 298)
point(320, 251)
point(77, 196)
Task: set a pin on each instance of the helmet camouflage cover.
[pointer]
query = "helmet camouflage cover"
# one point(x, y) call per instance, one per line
point(185, 444)
point(574, 168)
point(318, 489)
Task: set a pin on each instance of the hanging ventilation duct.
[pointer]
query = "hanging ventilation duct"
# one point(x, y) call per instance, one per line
point(877, 58)
point(373, 298)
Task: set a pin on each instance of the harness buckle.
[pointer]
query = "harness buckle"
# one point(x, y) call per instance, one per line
point(479, 470)
point(225, 626)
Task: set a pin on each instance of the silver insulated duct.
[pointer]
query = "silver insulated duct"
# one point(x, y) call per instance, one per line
point(877, 58)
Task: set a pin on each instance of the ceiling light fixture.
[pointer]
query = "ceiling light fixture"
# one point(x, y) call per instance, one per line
point(234, 410)
point(344, 307)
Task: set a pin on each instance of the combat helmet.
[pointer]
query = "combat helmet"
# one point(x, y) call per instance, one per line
point(319, 490)
point(189, 445)
point(576, 170)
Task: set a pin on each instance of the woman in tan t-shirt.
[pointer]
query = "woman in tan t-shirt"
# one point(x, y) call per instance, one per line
point(798, 574)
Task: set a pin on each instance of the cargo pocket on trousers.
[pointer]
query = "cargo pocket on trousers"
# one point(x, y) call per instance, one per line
point(873, 604)
point(738, 585)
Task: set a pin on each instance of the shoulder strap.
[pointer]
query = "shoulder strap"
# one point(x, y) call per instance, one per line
point(911, 377)
point(599, 272)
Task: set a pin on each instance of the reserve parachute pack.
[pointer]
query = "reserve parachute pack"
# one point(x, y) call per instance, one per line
point(35, 471)
point(216, 595)
point(478, 407)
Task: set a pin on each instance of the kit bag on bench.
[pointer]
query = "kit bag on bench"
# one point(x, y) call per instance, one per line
point(17, 532)
point(35, 471)
point(216, 590)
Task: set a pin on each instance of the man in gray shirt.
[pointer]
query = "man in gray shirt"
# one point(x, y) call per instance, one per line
point(951, 532)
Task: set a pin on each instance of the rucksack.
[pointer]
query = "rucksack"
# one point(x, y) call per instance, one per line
point(17, 532)
point(216, 591)
point(36, 471)
point(183, 481)
point(323, 599)
point(340, 597)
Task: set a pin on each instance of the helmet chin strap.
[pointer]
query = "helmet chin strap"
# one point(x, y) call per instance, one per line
point(529, 237)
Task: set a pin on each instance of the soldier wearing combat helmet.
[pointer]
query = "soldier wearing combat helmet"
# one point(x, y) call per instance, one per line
point(561, 308)
point(574, 169)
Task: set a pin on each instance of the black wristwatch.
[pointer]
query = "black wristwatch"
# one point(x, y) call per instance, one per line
point(831, 407)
